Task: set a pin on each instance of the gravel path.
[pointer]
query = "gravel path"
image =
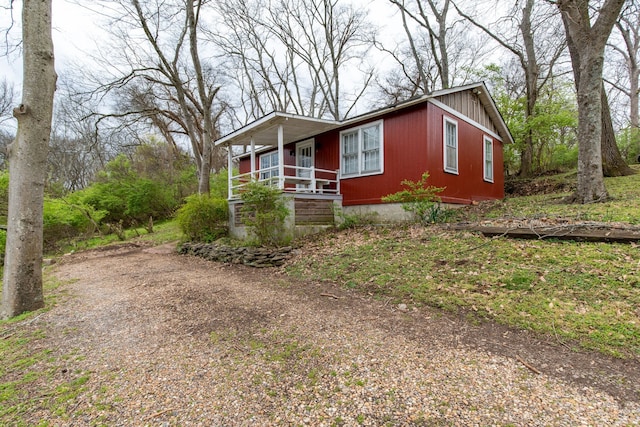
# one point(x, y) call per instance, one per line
point(172, 340)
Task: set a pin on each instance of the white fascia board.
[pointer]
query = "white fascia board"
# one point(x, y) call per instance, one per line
point(266, 122)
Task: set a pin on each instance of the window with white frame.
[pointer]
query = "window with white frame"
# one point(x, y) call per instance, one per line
point(269, 165)
point(361, 150)
point(450, 142)
point(488, 158)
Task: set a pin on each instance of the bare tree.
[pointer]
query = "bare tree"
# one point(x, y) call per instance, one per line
point(22, 281)
point(537, 43)
point(586, 42)
point(439, 50)
point(434, 21)
point(77, 149)
point(7, 96)
point(627, 49)
point(628, 29)
point(165, 80)
point(292, 55)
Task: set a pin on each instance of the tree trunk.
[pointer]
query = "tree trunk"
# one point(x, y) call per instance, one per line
point(206, 99)
point(22, 282)
point(612, 162)
point(586, 44)
point(590, 186)
point(529, 63)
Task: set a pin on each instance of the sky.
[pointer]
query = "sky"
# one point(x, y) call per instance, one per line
point(76, 30)
point(73, 30)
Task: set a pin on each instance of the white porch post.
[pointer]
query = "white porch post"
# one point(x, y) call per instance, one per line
point(230, 171)
point(253, 159)
point(280, 157)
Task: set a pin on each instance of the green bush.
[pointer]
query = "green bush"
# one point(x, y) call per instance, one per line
point(203, 218)
point(420, 199)
point(264, 213)
point(67, 218)
point(128, 198)
point(4, 196)
point(219, 184)
point(3, 244)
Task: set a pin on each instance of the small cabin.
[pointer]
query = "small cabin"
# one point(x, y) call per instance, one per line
point(327, 166)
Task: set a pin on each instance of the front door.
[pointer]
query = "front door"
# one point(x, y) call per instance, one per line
point(304, 161)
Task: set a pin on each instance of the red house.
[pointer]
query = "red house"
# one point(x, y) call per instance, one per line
point(457, 135)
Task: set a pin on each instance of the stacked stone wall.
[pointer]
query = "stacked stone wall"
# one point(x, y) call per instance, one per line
point(254, 257)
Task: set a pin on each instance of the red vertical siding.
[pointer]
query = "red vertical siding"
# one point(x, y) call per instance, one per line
point(413, 144)
point(469, 184)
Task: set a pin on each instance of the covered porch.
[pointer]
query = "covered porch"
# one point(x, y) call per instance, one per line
point(280, 150)
point(267, 138)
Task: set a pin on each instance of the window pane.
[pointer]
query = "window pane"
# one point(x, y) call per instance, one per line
point(370, 138)
point(451, 146)
point(274, 164)
point(269, 165)
point(488, 159)
point(451, 134)
point(350, 153)
point(350, 164)
point(350, 143)
point(451, 158)
point(371, 160)
point(265, 162)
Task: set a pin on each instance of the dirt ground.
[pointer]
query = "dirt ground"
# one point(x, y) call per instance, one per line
point(176, 340)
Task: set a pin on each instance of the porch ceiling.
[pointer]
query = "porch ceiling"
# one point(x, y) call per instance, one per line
point(265, 130)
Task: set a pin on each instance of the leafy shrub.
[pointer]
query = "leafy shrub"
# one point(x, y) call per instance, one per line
point(264, 213)
point(128, 198)
point(629, 144)
point(4, 196)
point(219, 184)
point(67, 218)
point(3, 244)
point(420, 199)
point(203, 218)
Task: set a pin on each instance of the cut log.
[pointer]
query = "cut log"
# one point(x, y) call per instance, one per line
point(580, 234)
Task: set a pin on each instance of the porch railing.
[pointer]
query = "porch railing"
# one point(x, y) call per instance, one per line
point(296, 179)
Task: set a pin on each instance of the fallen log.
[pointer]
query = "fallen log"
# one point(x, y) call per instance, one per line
point(580, 234)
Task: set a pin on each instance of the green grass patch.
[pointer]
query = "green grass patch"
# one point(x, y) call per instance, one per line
point(26, 379)
point(588, 293)
point(623, 206)
point(163, 232)
point(29, 372)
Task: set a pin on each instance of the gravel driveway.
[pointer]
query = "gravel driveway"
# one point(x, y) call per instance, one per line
point(175, 340)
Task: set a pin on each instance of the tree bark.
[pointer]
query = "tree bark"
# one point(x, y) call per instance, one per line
point(586, 44)
point(612, 162)
point(529, 63)
point(206, 99)
point(22, 282)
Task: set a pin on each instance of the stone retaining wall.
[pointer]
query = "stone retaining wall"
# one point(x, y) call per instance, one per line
point(254, 257)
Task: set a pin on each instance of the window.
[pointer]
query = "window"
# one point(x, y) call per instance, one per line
point(269, 165)
point(361, 150)
point(450, 145)
point(488, 158)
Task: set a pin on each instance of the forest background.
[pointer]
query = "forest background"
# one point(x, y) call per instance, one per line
point(145, 86)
